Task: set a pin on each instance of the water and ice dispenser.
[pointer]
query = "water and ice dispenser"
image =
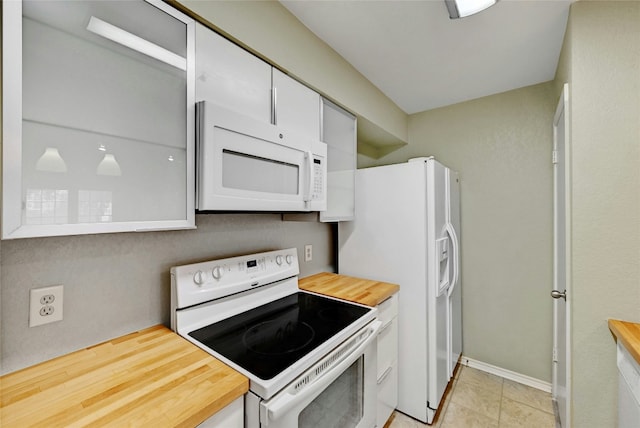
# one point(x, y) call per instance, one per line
point(443, 252)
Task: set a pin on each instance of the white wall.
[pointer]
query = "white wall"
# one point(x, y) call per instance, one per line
point(601, 63)
point(501, 147)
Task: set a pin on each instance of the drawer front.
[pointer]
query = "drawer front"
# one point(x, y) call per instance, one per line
point(231, 416)
point(387, 346)
point(388, 309)
point(629, 370)
point(628, 389)
point(387, 395)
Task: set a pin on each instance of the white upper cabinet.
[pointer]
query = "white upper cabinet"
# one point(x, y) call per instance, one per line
point(296, 107)
point(339, 131)
point(98, 128)
point(231, 77)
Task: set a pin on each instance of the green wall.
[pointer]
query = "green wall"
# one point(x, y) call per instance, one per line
point(601, 63)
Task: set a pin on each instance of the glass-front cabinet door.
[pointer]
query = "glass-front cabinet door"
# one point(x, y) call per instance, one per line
point(98, 117)
point(339, 129)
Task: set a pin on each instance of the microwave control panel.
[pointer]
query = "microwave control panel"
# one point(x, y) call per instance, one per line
point(317, 192)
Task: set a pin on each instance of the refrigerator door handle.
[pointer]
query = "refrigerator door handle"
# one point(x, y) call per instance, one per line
point(456, 257)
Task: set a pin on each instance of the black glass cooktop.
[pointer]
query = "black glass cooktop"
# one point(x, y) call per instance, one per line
point(268, 339)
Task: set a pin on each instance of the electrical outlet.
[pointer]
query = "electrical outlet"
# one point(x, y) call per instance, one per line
point(45, 305)
point(308, 253)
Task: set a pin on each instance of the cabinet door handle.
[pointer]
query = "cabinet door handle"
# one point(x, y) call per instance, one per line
point(385, 374)
point(275, 105)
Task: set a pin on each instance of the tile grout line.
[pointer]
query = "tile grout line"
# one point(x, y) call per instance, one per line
point(530, 406)
point(501, 396)
point(537, 406)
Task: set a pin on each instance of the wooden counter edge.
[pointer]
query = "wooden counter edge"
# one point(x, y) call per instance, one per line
point(318, 282)
point(629, 334)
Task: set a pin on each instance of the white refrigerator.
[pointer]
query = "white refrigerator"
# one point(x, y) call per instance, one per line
point(407, 231)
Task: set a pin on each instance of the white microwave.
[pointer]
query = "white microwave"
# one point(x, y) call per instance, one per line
point(247, 165)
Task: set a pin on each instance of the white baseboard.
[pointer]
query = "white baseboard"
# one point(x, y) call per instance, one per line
point(507, 374)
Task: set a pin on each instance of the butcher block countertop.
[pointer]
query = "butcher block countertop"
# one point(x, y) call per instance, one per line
point(629, 334)
point(359, 290)
point(149, 378)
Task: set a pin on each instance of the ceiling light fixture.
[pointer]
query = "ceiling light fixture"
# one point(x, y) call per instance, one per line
point(125, 38)
point(462, 8)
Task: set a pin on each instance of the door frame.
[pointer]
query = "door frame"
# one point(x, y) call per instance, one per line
point(563, 107)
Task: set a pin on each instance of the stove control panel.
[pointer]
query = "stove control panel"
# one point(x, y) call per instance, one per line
point(201, 282)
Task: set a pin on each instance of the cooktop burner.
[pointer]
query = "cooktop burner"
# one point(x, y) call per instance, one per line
point(268, 339)
point(273, 338)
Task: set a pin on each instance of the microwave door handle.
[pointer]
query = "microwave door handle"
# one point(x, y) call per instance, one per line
point(309, 190)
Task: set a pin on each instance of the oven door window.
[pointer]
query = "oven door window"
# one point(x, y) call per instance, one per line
point(341, 404)
point(338, 391)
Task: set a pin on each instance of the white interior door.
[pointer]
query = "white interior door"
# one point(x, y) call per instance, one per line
point(561, 371)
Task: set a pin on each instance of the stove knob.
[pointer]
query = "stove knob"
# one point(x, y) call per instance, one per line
point(278, 260)
point(289, 259)
point(217, 272)
point(199, 277)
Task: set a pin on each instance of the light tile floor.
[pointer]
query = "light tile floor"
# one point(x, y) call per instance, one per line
point(482, 400)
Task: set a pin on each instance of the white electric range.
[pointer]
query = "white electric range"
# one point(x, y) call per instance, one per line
point(310, 359)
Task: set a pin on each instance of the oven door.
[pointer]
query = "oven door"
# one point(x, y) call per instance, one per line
point(339, 390)
point(248, 165)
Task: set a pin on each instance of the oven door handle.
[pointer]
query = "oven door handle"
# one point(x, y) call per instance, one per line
point(280, 404)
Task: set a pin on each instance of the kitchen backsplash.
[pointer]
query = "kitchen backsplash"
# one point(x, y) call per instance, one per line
point(118, 283)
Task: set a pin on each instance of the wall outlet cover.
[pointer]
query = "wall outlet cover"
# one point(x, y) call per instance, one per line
point(45, 305)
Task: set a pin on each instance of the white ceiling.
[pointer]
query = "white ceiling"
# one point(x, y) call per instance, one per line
point(421, 59)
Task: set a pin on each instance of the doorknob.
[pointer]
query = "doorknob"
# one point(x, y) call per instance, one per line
point(559, 294)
